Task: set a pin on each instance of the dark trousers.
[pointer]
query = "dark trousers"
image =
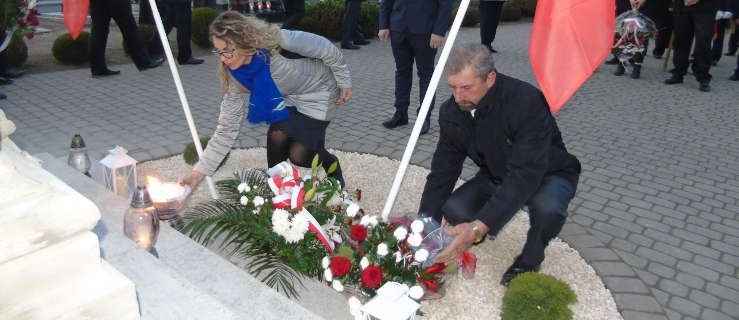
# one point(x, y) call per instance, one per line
point(294, 12)
point(177, 15)
point(101, 11)
point(547, 211)
point(664, 32)
point(489, 18)
point(717, 47)
point(350, 21)
point(700, 25)
point(408, 47)
point(733, 41)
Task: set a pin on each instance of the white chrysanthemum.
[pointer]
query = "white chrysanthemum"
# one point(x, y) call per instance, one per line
point(325, 262)
point(352, 210)
point(416, 292)
point(415, 239)
point(354, 306)
point(300, 222)
point(421, 255)
point(255, 211)
point(365, 221)
point(328, 275)
point(280, 221)
point(293, 235)
point(400, 233)
point(336, 284)
point(417, 226)
point(243, 187)
point(398, 257)
point(382, 249)
point(364, 263)
point(258, 201)
point(372, 221)
point(244, 200)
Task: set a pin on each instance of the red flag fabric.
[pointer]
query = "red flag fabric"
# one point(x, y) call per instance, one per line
point(569, 40)
point(75, 15)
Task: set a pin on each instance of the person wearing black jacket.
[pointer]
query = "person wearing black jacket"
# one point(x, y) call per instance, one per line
point(505, 127)
point(351, 36)
point(176, 13)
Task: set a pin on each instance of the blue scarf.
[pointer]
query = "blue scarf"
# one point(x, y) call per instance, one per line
point(265, 103)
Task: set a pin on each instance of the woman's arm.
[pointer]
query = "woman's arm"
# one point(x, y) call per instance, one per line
point(315, 46)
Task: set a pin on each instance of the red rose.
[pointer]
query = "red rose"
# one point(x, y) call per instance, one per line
point(340, 266)
point(30, 35)
point(372, 276)
point(430, 284)
point(358, 233)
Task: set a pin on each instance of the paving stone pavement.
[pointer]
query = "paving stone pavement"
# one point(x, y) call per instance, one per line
point(656, 208)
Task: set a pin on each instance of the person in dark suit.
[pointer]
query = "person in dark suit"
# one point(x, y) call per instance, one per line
point(693, 18)
point(351, 37)
point(415, 29)
point(489, 17)
point(176, 13)
point(294, 12)
point(505, 127)
point(101, 11)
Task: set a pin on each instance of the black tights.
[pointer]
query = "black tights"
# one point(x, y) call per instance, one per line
point(280, 147)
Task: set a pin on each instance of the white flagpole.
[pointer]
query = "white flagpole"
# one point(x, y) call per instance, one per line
point(424, 109)
point(180, 89)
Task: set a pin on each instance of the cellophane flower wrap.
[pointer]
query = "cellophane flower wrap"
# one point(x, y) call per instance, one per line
point(633, 30)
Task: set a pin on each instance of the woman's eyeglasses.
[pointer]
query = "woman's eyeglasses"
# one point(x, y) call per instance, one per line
point(228, 54)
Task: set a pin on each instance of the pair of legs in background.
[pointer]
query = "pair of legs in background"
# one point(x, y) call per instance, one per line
point(547, 210)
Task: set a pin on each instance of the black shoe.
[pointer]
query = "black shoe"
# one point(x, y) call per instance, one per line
point(398, 119)
point(361, 42)
point(13, 72)
point(153, 63)
point(192, 60)
point(2, 96)
point(674, 79)
point(514, 270)
point(657, 55)
point(4, 80)
point(730, 54)
point(106, 72)
point(735, 76)
point(349, 46)
point(613, 60)
point(493, 50)
point(704, 86)
point(636, 73)
point(426, 126)
point(620, 70)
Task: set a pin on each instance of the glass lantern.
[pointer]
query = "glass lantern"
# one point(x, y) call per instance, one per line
point(141, 221)
point(391, 303)
point(119, 172)
point(78, 157)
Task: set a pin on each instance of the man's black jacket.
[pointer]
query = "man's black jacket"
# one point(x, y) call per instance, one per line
point(514, 140)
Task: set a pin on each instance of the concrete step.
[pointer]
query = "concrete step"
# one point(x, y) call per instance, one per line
point(187, 281)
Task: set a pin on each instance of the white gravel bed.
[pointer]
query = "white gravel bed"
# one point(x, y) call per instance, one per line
point(476, 298)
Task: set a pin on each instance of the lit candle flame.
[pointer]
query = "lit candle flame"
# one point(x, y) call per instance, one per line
point(163, 192)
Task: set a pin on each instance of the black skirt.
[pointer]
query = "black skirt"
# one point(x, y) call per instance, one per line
point(303, 129)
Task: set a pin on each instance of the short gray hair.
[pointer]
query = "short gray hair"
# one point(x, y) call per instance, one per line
point(473, 55)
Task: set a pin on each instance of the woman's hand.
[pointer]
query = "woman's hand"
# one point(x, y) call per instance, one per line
point(193, 179)
point(344, 96)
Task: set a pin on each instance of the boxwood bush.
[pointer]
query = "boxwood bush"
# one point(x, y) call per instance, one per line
point(16, 53)
point(324, 18)
point(535, 296)
point(201, 20)
point(68, 51)
point(191, 155)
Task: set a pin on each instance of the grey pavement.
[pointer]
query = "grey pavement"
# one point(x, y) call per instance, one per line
point(656, 209)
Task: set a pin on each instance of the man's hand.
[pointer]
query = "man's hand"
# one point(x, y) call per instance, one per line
point(383, 34)
point(344, 96)
point(435, 41)
point(193, 179)
point(689, 3)
point(464, 237)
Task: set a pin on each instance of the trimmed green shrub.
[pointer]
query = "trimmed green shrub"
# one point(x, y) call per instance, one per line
point(537, 296)
point(17, 51)
point(324, 18)
point(528, 7)
point(201, 20)
point(191, 155)
point(471, 18)
point(146, 33)
point(510, 12)
point(369, 20)
point(68, 51)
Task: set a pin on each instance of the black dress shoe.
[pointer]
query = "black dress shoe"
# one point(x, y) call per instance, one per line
point(153, 63)
point(493, 50)
point(398, 119)
point(192, 60)
point(704, 86)
point(735, 76)
point(2, 96)
point(674, 80)
point(613, 60)
point(349, 46)
point(106, 72)
point(730, 54)
point(514, 270)
point(361, 42)
point(4, 80)
point(426, 126)
point(620, 70)
point(13, 72)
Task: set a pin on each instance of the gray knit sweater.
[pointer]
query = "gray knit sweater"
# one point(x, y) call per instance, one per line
point(310, 84)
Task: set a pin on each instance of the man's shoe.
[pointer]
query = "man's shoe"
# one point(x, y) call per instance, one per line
point(349, 46)
point(426, 126)
point(514, 270)
point(361, 42)
point(636, 73)
point(493, 50)
point(398, 119)
point(730, 54)
point(13, 72)
point(4, 80)
point(192, 60)
point(620, 70)
point(2, 96)
point(735, 76)
point(153, 63)
point(704, 86)
point(613, 60)
point(106, 72)
point(674, 80)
